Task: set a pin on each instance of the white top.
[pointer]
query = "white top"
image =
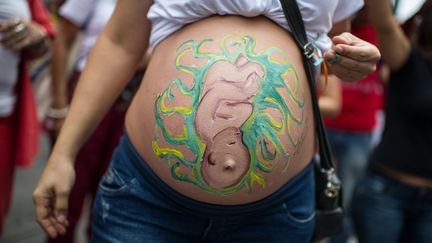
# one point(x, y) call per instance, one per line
point(10, 60)
point(91, 16)
point(167, 16)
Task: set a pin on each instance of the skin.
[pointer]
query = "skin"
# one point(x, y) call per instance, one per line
point(330, 99)
point(390, 36)
point(62, 44)
point(226, 104)
point(357, 58)
point(226, 96)
point(234, 89)
point(114, 68)
point(227, 159)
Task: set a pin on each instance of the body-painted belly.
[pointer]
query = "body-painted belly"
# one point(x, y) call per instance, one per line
point(223, 114)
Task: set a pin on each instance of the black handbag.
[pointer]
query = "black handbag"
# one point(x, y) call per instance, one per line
point(328, 195)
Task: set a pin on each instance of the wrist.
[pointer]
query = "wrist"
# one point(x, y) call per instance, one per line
point(64, 149)
point(40, 35)
point(57, 158)
point(59, 102)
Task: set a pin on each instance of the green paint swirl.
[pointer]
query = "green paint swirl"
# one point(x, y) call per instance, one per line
point(260, 126)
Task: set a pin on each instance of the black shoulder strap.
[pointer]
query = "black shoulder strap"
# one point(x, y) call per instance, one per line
point(295, 22)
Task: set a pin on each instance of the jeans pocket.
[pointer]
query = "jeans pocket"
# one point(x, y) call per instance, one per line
point(114, 182)
point(300, 214)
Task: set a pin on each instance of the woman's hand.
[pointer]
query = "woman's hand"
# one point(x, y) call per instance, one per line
point(351, 58)
point(52, 194)
point(18, 34)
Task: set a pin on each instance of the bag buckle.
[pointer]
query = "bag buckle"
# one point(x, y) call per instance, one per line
point(312, 52)
point(333, 186)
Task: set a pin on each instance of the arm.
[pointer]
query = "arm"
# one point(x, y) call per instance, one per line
point(330, 100)
point(394, 45)
point(62, 44)
point(112, 62)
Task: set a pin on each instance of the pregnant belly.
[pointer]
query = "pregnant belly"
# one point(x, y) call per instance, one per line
point(223, 116)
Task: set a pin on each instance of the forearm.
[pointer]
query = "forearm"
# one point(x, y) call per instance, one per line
point(381, 15)
point(58, 73)
point(394, 45)
point(330, 100)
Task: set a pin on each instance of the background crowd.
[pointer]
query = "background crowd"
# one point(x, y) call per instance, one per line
point(387, 183)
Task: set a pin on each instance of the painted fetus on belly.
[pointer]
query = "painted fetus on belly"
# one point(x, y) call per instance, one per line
point(238, 115)
point(224, 107)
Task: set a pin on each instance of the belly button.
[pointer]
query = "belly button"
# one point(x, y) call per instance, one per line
point(229, 164)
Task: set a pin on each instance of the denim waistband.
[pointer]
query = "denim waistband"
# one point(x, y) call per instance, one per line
point(146, 176)
point(400, 187)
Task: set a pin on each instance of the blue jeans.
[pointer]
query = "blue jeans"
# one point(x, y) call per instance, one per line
point(351, 151)
point(130, 207)
point(388, 211)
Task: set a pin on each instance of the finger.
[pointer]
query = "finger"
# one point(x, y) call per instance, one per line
point(13, 32)
point(331, 57)
point(9, 25)
point(43, 205)
point(21, 44)
point(48, 227)
point(346, 39)
point(363, 53)
point(348, 63)
point(13, 41)
point(59, 227)
point(44, 214)
point(61, 204)
point(346, 74)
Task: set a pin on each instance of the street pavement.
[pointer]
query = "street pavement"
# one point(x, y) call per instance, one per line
point(20, 225)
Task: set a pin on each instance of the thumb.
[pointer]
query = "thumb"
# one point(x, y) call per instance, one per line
point(345, 39)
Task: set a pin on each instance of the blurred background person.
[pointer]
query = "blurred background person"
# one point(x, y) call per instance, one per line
point(350, 133)
point(24, 34)
point(84, 19)
point(393, 203)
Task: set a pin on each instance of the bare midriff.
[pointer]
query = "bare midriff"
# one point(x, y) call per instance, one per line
point(223, 114)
